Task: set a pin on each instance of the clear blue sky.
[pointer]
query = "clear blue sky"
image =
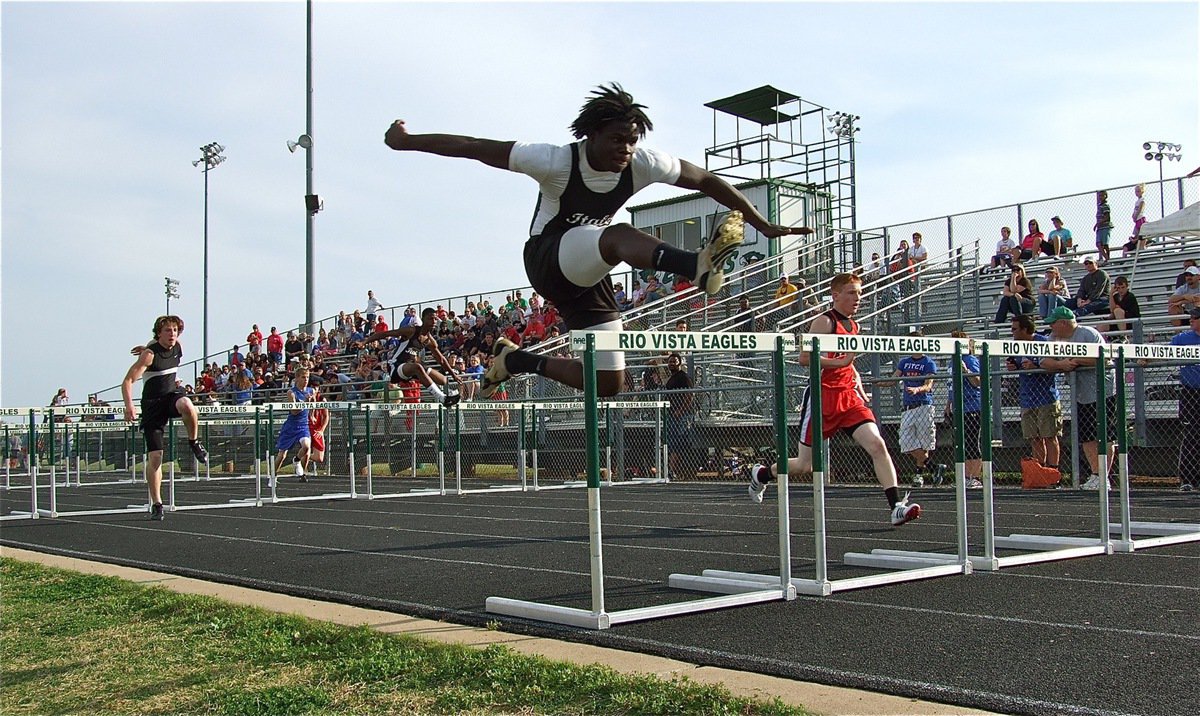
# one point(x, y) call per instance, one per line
point(105, 105)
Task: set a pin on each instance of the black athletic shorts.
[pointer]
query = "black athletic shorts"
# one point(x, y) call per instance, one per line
point(971, 436)
point(580, 306)
point(1087, 421)
point(156, 413)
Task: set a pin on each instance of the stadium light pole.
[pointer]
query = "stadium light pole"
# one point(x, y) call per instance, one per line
point(172, 291)
point(312, 203)
point(210, 157)
point(1155, 153)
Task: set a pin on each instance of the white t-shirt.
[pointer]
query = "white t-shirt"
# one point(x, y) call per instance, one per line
point(1005, 245)
point(918, 253)
point(550, 166)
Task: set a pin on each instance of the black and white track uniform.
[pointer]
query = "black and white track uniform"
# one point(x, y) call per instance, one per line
point(159, 393)
point(575, 204)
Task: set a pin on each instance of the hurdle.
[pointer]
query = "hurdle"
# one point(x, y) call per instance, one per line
point(415, 410)
point(273, 478)
point(779, 588)
point(30, 464)
point(904, 566)
point(1133, 535)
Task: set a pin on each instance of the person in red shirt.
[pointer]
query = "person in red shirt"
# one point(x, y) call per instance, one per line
point(513, 333)
point(1032, 243)
point(843, 406)
point(535, 330)
point(275, 346)
point(380, 324)
point(254, 340)
point(318, 420)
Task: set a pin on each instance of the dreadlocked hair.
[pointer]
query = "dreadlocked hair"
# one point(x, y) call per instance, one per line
point(608, 104)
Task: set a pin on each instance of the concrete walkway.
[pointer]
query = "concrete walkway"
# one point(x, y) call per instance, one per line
point(820, 699)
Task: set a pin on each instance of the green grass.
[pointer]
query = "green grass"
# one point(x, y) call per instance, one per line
point(74, 643)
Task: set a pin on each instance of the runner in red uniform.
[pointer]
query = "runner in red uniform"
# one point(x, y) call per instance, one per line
point(318, 420)
point(843, 405)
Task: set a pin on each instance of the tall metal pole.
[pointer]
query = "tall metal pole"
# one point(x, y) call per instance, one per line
point(206, 168)
point(1162, 206)
point(311, 212)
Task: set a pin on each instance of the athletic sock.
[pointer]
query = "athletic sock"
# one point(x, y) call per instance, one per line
point(676, 261)
point(762, 474)
point(893, 496)
point(437, 392)
point(525, 362)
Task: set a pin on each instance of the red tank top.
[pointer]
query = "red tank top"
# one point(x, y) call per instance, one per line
point(845, 378)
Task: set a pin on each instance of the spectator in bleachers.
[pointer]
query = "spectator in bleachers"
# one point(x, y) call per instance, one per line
point(745, 320)
point(1092, 296)
point(1052, 292)
point(236, 358)
point(785, 297)
point(1032, 243)
point(1018, 296)
point(520, 302)
point(623, 302)
point(535, 301)
point(1041, 414)
point(380, 325)
point(1122, 304)
point(900, 265)
point(254, 340)
point(637, 294)
point(1060, 241)
point(1006, 249)
point(473, 374)
point(1103, 226)
point(410, 317)
point(1181, 279)
point(1136, 242)
point(275, 346)
point(535, 329)
point(373, 306)
point(1187, 297)
point(1189, 409)
point(871, 270)
point(293, 347)
point(654, 290)
point(1063, 327)
point(918, 253)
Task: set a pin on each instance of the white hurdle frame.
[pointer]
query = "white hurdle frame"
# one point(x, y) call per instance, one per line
point(779, 588)
point(904, 567)
point(417, 409)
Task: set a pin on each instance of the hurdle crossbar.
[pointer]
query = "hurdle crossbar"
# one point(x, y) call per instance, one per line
point(598, 617)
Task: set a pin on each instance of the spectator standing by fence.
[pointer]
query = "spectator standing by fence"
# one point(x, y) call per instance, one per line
point(1037, 394)
point(681, 419)
point(1189, 409)
point(918, 429)
point(972, 405)
point(275, 346)
point(1084, 392)
point(373, 306)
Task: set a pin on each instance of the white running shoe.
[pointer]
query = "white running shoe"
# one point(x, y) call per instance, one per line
point(299, 470)
point(497, 372)
point(1093, 483)
point(710, 262)
point(904, 512)
point(918, 481)
point(973, 484)
point(757, 489)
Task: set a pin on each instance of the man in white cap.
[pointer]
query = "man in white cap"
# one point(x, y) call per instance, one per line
point(1063, 328)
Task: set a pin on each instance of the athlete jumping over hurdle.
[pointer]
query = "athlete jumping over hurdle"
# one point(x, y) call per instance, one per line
point(843, 406)
point(403, 363)
point(157, 363)
point(573, 244)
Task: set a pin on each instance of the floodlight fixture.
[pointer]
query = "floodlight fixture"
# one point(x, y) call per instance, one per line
point(303, 141)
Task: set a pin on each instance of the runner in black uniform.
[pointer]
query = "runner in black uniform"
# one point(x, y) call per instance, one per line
point(573, 244)
point(404, 363)
point(157, 364)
